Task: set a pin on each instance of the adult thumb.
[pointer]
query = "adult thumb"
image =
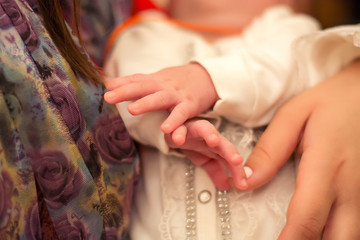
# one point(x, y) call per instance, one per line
point(278, 143)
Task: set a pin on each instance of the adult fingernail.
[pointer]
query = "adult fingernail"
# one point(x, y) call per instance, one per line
point(248, 171)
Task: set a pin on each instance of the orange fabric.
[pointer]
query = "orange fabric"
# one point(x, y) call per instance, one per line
point(191, 26)
point(116, 32)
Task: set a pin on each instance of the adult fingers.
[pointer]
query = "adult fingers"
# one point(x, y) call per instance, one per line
point(314, 196)
point(343, 222)
point(278, 141)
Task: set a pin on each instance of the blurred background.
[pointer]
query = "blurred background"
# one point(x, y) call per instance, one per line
point(329, 12)
point(336, 12)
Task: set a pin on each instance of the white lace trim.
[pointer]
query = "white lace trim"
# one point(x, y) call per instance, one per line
point(173, 189)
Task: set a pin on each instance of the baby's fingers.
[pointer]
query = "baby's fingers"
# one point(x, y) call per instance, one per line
point(161, 100)
point(112, 83)
point(178, 136)
point(222, 147)
point(228, 151)
point(179, 114)
point(239, 176)
point(128, 92)
point(203, 129)
point(233, 162)
point(213, 168)
point(217, 143)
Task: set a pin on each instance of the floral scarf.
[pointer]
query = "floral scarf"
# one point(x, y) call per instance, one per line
point(67, 163)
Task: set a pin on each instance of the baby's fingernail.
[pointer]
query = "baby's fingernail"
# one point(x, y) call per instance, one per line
point(214, 137)
point(212, 140)
point(237, 159)
point(244, 184)
point(248, 171)
point(165, 128)
point(133, 106)
point(178, 139)
point(110, 94)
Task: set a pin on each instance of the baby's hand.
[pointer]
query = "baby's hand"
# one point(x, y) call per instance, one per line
point(185, 91)
point(205, 146)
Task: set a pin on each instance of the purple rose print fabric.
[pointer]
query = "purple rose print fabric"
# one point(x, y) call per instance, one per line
point(109, 133)
point(67, 163)
point(71, 227)
point(65, 100)
point(6, 188)
point(57, 178)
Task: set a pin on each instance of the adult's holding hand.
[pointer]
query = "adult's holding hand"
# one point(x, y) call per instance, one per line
point(323, 125)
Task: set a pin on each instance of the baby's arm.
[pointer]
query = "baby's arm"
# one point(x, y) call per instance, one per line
point(245, 83)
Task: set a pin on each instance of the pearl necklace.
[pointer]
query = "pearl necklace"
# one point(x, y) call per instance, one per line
point(222, 205)
point(244, 139)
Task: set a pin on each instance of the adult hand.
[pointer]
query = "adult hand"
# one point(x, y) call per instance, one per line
point(186, 91)
point(207, 148)
point(323, 124)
